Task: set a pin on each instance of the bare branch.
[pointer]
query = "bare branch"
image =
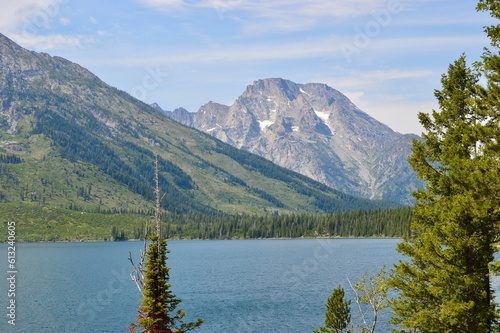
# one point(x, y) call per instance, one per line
point(158, 203)
point(137, 274)
point(358, 302)
point(372, 294)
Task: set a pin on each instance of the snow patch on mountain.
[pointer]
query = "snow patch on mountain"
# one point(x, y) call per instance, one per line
point(265, 123)
point(322, 115)
point(319, 132)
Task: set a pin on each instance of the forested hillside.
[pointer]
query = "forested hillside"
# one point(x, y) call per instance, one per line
point(36, 223)
point(69, 140)
point(71, 145)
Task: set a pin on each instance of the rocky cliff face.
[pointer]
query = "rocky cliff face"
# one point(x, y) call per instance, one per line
point(81, 144)
point(317, 131)
point(23, 71)
point(180, 115)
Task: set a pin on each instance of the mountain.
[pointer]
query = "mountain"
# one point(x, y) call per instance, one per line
point(180, 115)
point(317, 131)
point(70, 141)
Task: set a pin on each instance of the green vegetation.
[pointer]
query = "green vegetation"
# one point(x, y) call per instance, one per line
point(157, 313)
point(77, 144)
point(67, 166)
point(37, 224)
point(10, 159)
point(371, 297)
point(338, 313)
point(43, 223)
point(76, 163)
point(386, 223)
point(446, 286)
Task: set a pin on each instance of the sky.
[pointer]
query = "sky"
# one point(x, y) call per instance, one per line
point(387, 56)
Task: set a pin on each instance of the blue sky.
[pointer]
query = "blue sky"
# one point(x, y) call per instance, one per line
point(387, 56)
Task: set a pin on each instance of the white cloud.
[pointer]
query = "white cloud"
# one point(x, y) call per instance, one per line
point(302, 49)
point(287, 15)
point(33, 24)
point(269, 8)
point(434, 43)
point(242, 53)
point(164, 5)
point(64, 21)
point(397, 112)
point(28, 15)
point(50, 42)
point(356, 81)
point(92, 20)
point(103, 33)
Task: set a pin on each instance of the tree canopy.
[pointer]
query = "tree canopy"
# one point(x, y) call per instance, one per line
point(446, 284)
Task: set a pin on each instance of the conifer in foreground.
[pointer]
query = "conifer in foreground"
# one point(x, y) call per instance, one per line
point(445, 286)
point(338, 313)
point(371, 298)
point(158, 311)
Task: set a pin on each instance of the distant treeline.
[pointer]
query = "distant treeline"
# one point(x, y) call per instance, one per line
point(378, 223)
point(37, 223)
point(10, 159)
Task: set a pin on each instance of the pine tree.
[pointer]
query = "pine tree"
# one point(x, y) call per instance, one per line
point(158, 311)
point(371, 296)
point(338, 313)
point(445, 287)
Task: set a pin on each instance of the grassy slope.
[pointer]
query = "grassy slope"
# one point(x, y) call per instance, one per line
point(66, 117)
point(36, 223)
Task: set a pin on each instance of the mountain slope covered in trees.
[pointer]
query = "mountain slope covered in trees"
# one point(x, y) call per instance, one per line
point(70, 141)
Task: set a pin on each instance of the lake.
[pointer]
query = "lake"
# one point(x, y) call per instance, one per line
point(235, 286)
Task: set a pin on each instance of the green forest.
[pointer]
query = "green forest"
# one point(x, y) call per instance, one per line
point(380, 223)
point(37, 223)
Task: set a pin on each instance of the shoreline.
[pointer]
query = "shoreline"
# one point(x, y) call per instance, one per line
point(197, 239)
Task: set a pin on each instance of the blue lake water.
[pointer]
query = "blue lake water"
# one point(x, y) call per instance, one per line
point(235, 286)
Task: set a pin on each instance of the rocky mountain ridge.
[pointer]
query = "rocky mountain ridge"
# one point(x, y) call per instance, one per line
point(71, 141)
point(317, 131)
